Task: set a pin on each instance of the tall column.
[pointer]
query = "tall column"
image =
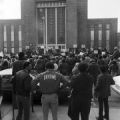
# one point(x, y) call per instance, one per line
point(28, 15)
point(71, 23)
point(56, 26)
point(107, 39)
point(92, 34)
point(12, 39)
point(65, 30)
point(1, 38)
point(46, 38)
point(5, 39)
point(20, 38)
point(82, 8)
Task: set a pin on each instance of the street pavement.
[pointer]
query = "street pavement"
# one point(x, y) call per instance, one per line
point(114, 102)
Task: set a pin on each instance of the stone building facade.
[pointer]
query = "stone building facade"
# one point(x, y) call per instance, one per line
point(118, 39)
point(102, 33)
point(56, 24)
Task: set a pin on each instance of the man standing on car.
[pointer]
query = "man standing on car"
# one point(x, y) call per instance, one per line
point(49, 85)
point(23, 89)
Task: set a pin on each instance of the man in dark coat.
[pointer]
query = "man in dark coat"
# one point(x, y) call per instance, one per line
point(102, 91)
point(17, 65)
point(64, 67)
point(116, 53)
point(23, 89)
point(94, 70)
point(80, 102)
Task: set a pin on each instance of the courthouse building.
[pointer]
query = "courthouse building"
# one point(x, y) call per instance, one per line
point(56, 24)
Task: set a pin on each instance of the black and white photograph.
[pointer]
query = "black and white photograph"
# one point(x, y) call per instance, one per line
point(59, 59)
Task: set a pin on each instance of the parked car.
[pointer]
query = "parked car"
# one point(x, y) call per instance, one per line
point(6, 89)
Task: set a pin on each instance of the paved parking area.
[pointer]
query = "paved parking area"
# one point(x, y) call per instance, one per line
point(114, 102)
point(62, 113)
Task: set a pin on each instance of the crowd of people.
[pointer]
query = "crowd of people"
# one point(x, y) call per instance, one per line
point(89, 75)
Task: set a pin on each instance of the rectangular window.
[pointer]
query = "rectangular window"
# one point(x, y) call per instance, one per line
point(100, 35)
point(107, 45)
point(12, 50)
point(52, 4)
point(12, 36)
point(5, 33)
point(12, 44)
point(56, 39)
point(51, 22)
point(92, 35)
point(5, 44)
point(20, 49)
point(99, 25)
point(20, 33)
point(61, 25)
point(107, 39)
point(5, 39)
point(5, 50)
point(107, 34)
point(63, 47)
point(20, 37)
point(20, 43)
point(41, 25)
point(92, 38)
point(107, 26)
point(100, 38)
point(12, 33)
point(51, 26)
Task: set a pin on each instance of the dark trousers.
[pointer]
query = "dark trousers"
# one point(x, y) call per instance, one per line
point(103, 105)
point(79, 106)
point(23, 107)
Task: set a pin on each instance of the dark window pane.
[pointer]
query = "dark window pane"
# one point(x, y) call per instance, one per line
point(51, 25)
point(41, 25)
point(61, 25)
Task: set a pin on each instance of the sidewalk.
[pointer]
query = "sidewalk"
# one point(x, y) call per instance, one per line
point(62, 113)
point(114, 103)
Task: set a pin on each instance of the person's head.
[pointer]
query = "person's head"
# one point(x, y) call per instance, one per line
point(27, 65)
point(49, 65)
point(104, 68)
point(83, 67)
point(55, 66)
point(75, 69)
point(115, 48)
point(63, 60)
point(92, 61)
point(21, 56)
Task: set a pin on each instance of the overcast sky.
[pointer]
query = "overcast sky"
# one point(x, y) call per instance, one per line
point(104, 9)
point(10, 9)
